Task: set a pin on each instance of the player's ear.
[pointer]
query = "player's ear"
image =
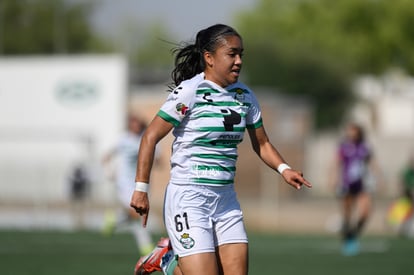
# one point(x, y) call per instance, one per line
point(208, 58)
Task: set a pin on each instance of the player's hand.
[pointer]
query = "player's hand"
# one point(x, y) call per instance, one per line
point(295, 178)
point(140, 203)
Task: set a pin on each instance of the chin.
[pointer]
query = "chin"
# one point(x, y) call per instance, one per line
point(233, 80)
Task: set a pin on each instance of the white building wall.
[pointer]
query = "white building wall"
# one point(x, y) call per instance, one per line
point(56, 112)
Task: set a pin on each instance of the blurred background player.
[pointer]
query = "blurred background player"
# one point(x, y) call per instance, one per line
point(353, 164)
point(79, 186)
point(407, 180)
point(126, 153)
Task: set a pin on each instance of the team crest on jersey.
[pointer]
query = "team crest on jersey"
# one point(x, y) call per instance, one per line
point(239, 96)
point(181, 109)
point(187, 241)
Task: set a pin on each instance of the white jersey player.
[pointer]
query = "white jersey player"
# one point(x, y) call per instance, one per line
point(209, 111)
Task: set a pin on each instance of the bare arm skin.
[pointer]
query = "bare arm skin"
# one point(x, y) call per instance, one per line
point(156, 131)
point(268, 153)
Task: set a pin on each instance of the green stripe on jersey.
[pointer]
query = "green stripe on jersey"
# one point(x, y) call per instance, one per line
point(220, 129)
point(211, 181)
point(256, 125)
point(203, 91)
point(168, 118)
point(221, 115)
point(216, 145)
point(215, 168)
point(221, 103)
point(214, 156)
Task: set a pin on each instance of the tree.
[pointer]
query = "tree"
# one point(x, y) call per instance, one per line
point(153, 58)
point(155, 51)
point(45, 27)
point(300, 73)
point(315, 47)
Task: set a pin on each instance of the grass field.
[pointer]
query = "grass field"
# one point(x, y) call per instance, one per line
point(47, 253)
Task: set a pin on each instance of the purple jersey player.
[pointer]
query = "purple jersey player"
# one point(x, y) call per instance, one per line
point(353, 163)
point(353, 158)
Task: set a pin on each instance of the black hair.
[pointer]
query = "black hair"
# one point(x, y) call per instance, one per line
point(189, 59)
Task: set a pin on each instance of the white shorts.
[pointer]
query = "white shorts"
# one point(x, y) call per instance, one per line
point(199, 218)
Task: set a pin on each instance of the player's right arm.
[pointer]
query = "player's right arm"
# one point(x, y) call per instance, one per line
point(157, 130)
point(172, 112)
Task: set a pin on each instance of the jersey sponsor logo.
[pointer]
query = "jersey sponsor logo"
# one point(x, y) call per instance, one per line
point(206, 172)
point(230, 136)
point(231, 119)
point(186, 241)
point(181, 109)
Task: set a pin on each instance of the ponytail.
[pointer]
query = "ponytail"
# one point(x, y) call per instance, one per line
point(189, 59)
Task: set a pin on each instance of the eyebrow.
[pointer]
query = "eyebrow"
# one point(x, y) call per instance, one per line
point(237, 49)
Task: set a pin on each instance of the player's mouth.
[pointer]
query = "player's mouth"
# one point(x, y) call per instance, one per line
point(235, 72)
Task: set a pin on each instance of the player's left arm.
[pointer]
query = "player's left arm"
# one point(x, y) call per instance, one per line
point(268, 153)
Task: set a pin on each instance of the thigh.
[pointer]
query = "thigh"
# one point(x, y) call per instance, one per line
point(364, 203)
point(188, 221)
point(233, 259)
point(347, 205)
point(228, 220)
point(199, 264)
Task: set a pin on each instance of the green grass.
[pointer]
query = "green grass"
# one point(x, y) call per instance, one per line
point(44, 253)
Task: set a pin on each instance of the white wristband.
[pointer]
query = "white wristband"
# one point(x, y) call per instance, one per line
point(141, 186)
point(282, 167)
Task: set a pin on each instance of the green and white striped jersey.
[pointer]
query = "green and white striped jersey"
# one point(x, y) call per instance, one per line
point(209, 122)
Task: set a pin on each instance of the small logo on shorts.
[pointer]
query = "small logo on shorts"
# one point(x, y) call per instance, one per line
point(187, 241)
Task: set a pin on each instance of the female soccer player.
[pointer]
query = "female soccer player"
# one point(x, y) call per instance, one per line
point(354, 158)
point(209, 111)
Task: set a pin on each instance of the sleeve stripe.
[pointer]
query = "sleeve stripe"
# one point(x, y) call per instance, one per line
point(258, 124)
point(168, 118)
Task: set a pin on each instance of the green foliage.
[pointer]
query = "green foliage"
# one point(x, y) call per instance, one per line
point(301, 73)
point(314, 47)
point(46, 26)
point(155, 51)
point(152, 60)
point(369, 36)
